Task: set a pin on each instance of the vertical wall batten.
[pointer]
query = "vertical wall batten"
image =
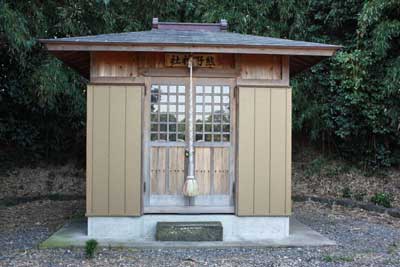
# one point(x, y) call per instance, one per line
point(245, 181)
point(261, 151)
point(264, 148)
point(117, 150)
point(100, 150)
point(125, 89)
point(289, 151)
point(113, 165)
point(269, 152)
point(109, 142)
point(89, 149)
point(133, 189)
point(278, 151)
point(255, 149)
point(286, 132)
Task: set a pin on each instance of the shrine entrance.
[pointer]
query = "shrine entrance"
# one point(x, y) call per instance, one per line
point(166, 145)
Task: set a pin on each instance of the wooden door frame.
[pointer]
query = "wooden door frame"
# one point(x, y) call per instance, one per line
point(231, 82)
point(149, 81)
point(175, 80)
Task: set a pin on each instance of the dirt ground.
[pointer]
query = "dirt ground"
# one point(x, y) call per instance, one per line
point(41, 180)
point(312, 175)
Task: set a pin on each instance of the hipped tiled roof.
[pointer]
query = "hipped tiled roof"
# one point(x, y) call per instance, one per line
point(188, 38)
point(182, 37)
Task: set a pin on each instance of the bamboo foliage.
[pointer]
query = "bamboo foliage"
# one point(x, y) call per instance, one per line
point(349, 105)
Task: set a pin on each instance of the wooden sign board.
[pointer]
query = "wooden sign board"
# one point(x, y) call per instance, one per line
point(199, 60)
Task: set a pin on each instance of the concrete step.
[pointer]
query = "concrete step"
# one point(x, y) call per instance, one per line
point(189, 231)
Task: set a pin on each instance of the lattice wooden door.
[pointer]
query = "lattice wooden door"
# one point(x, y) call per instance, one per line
point(214, 150)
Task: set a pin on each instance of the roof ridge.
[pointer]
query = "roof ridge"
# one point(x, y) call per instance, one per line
point(222, 26)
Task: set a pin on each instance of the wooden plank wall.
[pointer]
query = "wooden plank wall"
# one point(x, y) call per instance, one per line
point(264, 152)
point(131, 64)
point(261, 67)
point(113, 64)
point(114, 163)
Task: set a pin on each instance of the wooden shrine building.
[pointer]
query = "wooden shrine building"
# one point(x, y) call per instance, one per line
point(144, 105)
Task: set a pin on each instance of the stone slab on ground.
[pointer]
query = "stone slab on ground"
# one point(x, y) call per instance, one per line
point(189, 231)
point(74, 234)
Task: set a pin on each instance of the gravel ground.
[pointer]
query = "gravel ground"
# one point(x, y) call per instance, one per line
point(364, 238)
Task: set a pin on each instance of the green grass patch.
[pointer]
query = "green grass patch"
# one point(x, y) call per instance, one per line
point(346, 192)
point(382, 199)
point(78, 216)
point(336, 258)
point(393, 248)
point(90, 248)
point(326, 167)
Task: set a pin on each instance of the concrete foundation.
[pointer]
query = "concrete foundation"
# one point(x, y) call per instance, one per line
point(74, 234)
point(144, 228)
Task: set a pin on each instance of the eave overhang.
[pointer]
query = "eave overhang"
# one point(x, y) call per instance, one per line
point(76, 52)
point(55, 45)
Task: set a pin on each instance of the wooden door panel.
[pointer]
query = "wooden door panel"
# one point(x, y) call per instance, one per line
point(203, 169)
point(221, 170)
point(212, 170)
point(158, 170)
point(176, 170)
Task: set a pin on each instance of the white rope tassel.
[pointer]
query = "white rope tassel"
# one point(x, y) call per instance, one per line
point(191, 188)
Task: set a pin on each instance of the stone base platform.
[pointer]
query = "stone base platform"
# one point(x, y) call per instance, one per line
point(74, 234)
point(143, 228)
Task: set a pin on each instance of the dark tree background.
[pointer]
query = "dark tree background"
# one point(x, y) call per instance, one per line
point(348, 105)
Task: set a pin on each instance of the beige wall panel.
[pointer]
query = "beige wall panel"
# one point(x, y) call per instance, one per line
point(289, 151)
point(278, 152)
point(245, 188)
point(89, 148)
point(100, 150)
point(133, 156)
point(262, 151)
point(263, 67)
point(114, 150)
point(117, 150)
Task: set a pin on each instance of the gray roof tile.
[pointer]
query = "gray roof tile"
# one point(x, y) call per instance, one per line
point(181, 37)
